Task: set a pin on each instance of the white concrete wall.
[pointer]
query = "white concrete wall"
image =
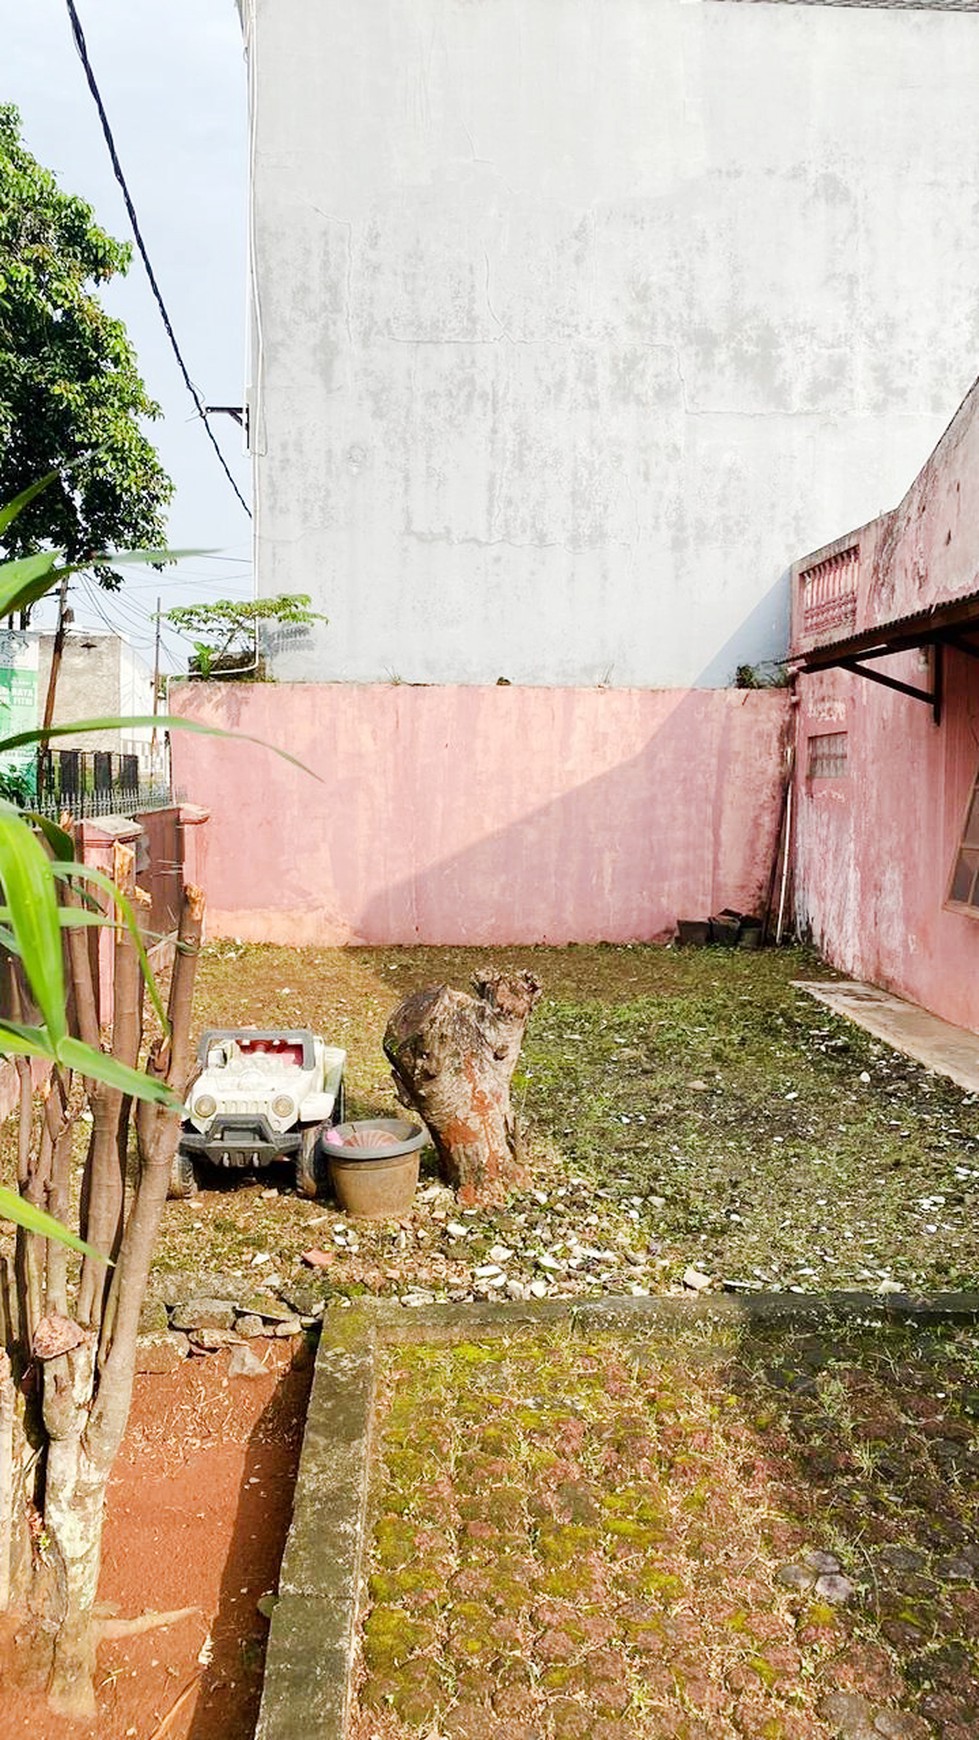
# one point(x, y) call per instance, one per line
point(577, 319)
point(136, 701)
point(100, 677)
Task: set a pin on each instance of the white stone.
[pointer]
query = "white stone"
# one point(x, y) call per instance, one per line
point(696, 1280)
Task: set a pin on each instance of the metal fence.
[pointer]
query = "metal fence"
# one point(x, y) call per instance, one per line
point(90, 783)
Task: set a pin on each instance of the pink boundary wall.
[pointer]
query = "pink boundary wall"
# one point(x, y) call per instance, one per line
point(480, 815)
point(873, 851)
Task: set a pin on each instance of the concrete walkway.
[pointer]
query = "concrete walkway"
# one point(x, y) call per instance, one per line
point(947, 1050)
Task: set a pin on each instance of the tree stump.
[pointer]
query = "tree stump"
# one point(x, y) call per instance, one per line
point(452, 1057)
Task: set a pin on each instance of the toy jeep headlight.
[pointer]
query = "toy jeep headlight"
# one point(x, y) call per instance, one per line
point(284, 1106)
point(204, 1106)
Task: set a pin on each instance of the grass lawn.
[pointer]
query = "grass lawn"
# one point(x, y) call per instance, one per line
point(683, 1108)
point(691, 1104)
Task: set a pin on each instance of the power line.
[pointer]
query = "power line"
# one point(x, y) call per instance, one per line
point(132, 613)
point(95, 600)
point(80, 45)
point(98, 599)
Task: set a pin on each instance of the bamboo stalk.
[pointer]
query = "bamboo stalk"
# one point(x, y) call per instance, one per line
point(6, 1476)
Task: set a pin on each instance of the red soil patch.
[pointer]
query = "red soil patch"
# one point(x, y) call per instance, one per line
point(199, 1506)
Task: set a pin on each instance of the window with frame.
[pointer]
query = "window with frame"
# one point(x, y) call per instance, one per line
point(963, 892)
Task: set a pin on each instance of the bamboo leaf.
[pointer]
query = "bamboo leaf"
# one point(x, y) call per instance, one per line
point(120, 558)
point(34, 1220)
point(28, 885)
point(61, 843)
point(72, 917)
point(113, 558)
point(69, 916)
point(19, 1041)
point(73, 1054)
point(9, 513)
point(25, 579)
point(99, 878)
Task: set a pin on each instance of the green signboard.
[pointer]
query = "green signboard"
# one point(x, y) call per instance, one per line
point(19, 705)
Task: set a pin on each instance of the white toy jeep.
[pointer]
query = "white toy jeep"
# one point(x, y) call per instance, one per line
point(260, 1095)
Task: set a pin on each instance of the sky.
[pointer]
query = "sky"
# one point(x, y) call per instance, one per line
point(172, 78)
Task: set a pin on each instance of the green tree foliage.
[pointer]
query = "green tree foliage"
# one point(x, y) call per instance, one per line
point(226, 632)
point(71, 397)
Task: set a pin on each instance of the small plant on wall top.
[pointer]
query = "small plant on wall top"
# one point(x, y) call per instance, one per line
point(226, 634)
point(769, 674)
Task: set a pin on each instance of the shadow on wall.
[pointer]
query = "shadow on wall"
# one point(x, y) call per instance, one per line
point(681, 828)
point(768, 625)
point(483, 815)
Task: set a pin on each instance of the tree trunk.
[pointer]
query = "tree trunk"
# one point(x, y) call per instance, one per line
point(8, 1399)
point(452, 1057)
point(87, 1391)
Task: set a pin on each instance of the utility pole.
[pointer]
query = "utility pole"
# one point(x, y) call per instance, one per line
point(64, 617)
point(156, 687)
point(56, 652)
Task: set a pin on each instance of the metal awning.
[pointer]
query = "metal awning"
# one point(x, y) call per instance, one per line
point(954, 624)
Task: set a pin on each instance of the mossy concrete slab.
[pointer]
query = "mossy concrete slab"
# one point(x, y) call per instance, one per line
point(307, 1674)
point(307, 1689)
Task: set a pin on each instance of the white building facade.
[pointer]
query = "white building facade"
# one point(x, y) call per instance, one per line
point(575, 320)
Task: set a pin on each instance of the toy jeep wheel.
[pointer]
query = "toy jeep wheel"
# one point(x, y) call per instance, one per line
point(183, 1181)
point(308, 1172)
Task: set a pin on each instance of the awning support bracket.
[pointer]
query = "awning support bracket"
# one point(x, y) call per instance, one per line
point(933, 696)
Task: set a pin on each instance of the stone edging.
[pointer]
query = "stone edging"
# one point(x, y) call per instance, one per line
point(307, 1687)
point(387, 1320)
point(307, 1683)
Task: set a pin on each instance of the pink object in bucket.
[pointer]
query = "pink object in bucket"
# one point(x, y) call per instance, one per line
point(372, 1141)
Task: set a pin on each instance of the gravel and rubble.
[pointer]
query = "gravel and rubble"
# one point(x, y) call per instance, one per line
point(693, 1124)
point(688, 1115)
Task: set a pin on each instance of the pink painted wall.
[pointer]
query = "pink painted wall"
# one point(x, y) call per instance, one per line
point(458, 814)
point(923, 553)
point(874, 849)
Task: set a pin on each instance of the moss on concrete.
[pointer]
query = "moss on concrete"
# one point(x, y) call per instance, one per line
point(595, 1535)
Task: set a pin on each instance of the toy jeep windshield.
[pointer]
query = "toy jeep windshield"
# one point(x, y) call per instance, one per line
point(260, 1095)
